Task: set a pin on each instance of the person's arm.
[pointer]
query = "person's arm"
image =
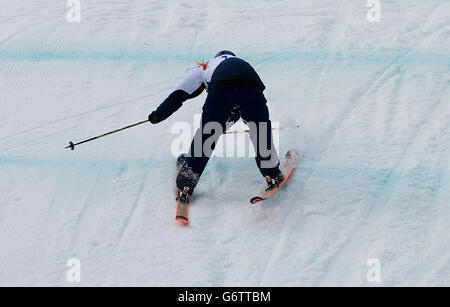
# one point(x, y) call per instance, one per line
point(190, 87)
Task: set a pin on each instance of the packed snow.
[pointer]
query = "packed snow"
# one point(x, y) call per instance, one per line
point(371, 99)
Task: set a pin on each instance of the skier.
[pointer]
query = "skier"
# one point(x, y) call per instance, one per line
point(234, 90)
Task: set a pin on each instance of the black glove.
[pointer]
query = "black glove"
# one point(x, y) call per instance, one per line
point(153, 118)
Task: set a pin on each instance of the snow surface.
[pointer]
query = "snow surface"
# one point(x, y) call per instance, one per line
point(371, 99)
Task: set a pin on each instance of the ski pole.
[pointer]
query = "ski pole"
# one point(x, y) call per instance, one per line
point(248, 130)
point(72, 145)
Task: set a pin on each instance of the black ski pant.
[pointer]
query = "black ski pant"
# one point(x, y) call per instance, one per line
point(216, 110)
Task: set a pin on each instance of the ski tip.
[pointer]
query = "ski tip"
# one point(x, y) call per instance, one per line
point(256, 199)
point(182, 219)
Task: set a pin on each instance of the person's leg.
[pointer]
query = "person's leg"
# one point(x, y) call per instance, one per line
point(216, 112)
point(255, 112)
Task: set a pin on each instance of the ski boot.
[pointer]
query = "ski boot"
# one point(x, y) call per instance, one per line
point(180, 160)
point(183, 195)
point(187, 179)
point(275, 182)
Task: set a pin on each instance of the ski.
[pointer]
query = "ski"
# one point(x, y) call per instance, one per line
point(182, 209)
point(287, 168)
point(182, 198)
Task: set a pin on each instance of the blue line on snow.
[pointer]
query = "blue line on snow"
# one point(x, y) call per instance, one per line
point(407, 56)
point(379, 176)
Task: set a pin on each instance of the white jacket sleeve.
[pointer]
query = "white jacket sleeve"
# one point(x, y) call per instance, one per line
point(191, 82)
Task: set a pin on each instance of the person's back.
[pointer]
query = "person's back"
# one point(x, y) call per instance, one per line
point(235, 72)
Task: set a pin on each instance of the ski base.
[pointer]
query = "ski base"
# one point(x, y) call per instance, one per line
point(182, 213)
